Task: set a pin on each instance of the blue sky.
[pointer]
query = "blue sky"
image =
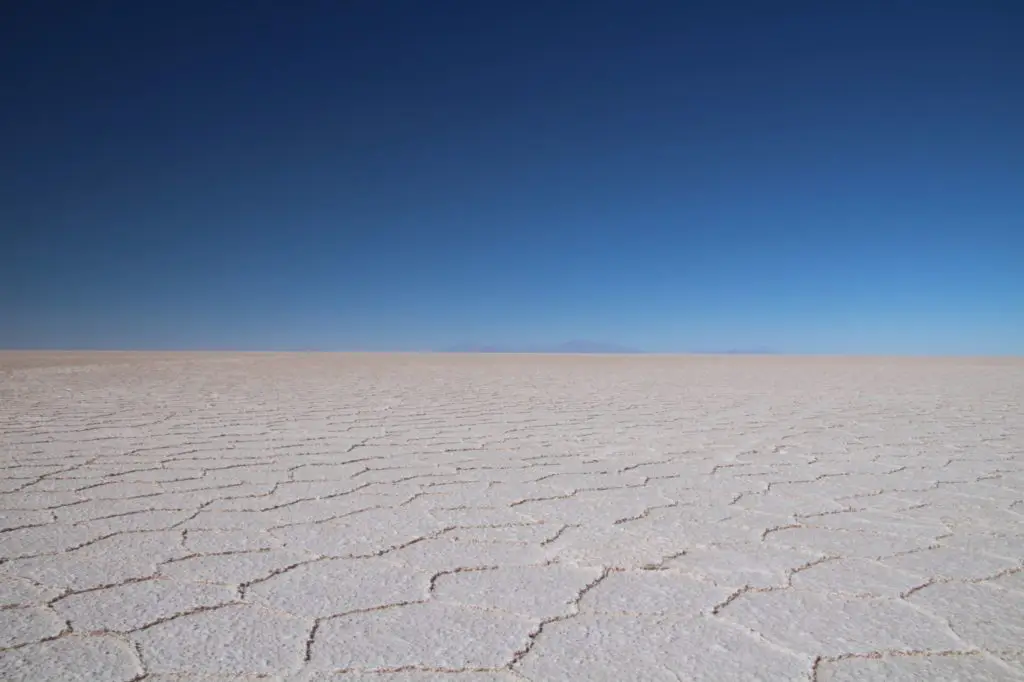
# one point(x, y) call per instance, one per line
point(843, 177)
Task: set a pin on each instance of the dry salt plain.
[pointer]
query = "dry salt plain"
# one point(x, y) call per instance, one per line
point(470, 518)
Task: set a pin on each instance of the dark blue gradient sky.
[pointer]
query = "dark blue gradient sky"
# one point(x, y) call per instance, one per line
point(827, 177)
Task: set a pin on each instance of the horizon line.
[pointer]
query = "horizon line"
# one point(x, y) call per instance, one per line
point(292, 351)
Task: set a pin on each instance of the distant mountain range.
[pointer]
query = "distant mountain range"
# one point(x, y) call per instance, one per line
point(569, 347)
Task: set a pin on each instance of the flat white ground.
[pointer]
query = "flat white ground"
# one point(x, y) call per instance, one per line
point(469, 518)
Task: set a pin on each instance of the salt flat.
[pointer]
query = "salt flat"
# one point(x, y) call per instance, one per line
point(402, 517)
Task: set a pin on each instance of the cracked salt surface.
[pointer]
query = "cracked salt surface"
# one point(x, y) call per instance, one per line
point(413, 518)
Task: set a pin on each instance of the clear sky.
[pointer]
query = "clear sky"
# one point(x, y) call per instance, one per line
point(824, 177)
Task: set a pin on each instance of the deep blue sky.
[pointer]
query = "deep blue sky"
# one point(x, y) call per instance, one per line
point(828, 177)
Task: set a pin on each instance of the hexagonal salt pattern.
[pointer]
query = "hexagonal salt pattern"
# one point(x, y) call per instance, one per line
point(508, 518)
